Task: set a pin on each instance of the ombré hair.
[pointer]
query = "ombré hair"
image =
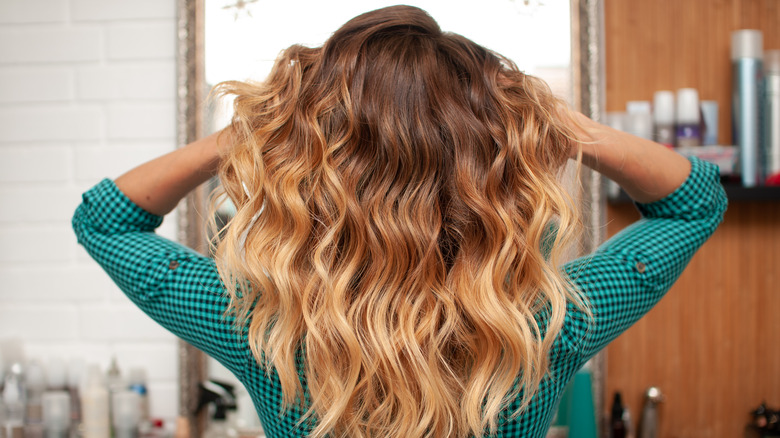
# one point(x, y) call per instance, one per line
point(394, 192)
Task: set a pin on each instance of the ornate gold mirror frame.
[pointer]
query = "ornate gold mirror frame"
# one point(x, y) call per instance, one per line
point(589, 90)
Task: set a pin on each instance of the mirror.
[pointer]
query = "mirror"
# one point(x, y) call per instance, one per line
point(242, 39)
point(557, 40)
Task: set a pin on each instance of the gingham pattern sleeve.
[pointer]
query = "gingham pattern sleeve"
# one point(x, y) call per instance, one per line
point(632, 271)
point(177, 287)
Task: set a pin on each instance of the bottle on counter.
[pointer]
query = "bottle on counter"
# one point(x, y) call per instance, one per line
point(56, 375)
point(56, 414)
point(747, 58)
point(772, 117)
point(35, 380)
point(14, 402)
point(74, 376)
point(617, 427)
point(649, 426)
point(709, 115)
point(137, 381)
point(663, 118)
point(2, 369)
point(688, 118)
point(127, 413)
point(639, 119)
point(2, 418)
point(115, 384)
point(94, 405)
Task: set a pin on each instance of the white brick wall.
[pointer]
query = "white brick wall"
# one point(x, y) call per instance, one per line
point(87, 90)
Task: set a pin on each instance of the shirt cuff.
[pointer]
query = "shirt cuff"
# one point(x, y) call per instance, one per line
point(112, 212)
point(693, 199)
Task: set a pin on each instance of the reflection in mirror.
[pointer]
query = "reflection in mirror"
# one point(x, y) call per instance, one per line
point(242, 38)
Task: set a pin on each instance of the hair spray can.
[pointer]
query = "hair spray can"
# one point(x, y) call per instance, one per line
point(746, 57)
point(772, 116)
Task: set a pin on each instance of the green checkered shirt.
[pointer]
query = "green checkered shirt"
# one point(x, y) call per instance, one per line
point(622, 280)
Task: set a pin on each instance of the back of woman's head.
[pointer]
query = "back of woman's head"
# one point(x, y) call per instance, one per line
point(395, 190)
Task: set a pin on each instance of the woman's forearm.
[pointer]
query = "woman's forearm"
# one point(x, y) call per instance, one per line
point(158, 185)
point(646, 170)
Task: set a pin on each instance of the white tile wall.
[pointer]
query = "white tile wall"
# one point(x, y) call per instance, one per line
point(87, 90)
point(50, 43)
point(54, 203)
point(84, 10)
point(51, 84)
point(39, 11)
point(60, 285)
point(117, 322)
point(34, 322)
point(33, 163)
point(96, 161)
point(150, 120)
point(35, 244)
point(44, 122)
point(131, 81)
point(141, 41)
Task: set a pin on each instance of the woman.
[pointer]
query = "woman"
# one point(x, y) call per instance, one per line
point(392, 269)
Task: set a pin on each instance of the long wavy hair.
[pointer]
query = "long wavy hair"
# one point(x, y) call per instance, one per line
point(395, 191)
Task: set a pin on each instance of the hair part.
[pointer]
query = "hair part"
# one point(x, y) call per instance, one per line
point(394, 192)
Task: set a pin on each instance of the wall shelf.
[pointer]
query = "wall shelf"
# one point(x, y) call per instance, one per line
point(735, 193)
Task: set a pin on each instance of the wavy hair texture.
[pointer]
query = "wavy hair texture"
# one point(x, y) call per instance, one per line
point(394, 192)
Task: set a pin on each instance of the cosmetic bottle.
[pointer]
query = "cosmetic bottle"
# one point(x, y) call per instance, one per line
point(746, 58)
point(127, 413)
point(688, 118)
point(14, 403)
point(617, 426)
point(94, 405)
point(709, 115)
point(663, 118)
point(56, 414)
point(114, 375)
point(115, 383)
point(2, 418)
point(114, 380)
point(639, 119)
point(35, 382)
point(56, 375)
point(2, 368)
point(628, 422)
point(649, 423)
point(137, 382)
point(638, 106)
point(772, 117)
point(74, 377)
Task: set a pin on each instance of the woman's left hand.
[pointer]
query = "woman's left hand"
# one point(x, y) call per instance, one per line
point(157, 186)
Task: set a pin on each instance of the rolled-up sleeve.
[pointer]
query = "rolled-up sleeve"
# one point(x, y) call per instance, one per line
point(174, 285)
point(633, 270)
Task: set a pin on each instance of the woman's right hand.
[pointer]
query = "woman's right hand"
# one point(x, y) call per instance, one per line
point(646, 170)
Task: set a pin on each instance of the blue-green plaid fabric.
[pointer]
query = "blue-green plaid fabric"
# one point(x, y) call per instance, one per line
point(622, 280)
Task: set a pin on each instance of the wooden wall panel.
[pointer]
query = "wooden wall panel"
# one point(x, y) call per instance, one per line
point(670, 44)
point(710, 344)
